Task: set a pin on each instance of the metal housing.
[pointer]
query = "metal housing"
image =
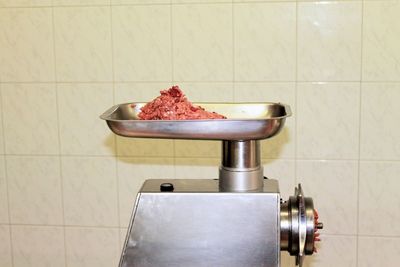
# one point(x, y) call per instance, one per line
point(197, 225)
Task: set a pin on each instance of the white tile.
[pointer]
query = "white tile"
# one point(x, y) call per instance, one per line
point(328, 120)
point(132, 172)
point(381, 30)
point(38, 246)
point(83, 43)
point(284, 172)
point(80, 2)
point(208, 91)
point(90, 191)
point(329, 41)
point(142, 43)
point(30, 118)
point(132, 2)
point(255, 1)
point(286, 259)
point(379, 198)
point(122, 236)
point(1, 124)
point(197, 168)
point(88, 247)
point(82, 132)
point(265, 41)
point(138, 92)
point(334, 251)
point(5, 246)
point(198, 148)
point(141, 147)
point(202, 42)
point(34, 187)
point(374, 251)
point(199, 1)
point(333, 187)
point(3, 193)
point(25, 3)
point(282, 145)
point(282, 92)
point(380, 116)
point(26, 41)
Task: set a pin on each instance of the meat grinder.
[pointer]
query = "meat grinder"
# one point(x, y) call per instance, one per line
point(238, 219)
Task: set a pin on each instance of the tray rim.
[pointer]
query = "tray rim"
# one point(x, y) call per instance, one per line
point(106, 115)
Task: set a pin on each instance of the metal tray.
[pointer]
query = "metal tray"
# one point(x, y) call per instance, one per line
point(245, 121)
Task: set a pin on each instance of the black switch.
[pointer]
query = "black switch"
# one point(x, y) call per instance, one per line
point(166, 187)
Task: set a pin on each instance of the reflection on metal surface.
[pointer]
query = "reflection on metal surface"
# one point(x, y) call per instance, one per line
point(241, 168)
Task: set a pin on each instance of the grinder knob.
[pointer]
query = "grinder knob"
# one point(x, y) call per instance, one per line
point(166, 187)
point(299, 226)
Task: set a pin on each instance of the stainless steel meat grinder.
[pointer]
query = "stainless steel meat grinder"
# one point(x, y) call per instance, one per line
point(236, 220)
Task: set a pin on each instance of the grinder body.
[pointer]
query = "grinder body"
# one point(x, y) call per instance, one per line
point(197, 224)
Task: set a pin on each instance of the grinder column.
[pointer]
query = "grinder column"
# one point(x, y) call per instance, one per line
point(241, 168)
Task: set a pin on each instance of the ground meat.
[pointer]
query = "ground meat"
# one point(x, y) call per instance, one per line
point(172, 104)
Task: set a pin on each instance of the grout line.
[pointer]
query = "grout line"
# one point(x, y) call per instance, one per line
point(356, 236)
point(115, 136)
point(380, 236)
point(295, 100)
point(62, 225)
point(62, 155)
point(124, 228)
point(358, 174)
point(6, 176)
point(171, 36)
point(359, 135)
point(163, 4)
point(227, 81)
point(59, 134)
point(172, 79)
point(233, 54)
point(196, 157)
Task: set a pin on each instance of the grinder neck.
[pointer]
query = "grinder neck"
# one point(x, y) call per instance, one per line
point(241, 168)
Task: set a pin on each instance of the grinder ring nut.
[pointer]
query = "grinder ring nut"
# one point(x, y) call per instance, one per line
point(299, 226)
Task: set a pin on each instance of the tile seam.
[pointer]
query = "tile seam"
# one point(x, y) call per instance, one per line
point(6, 176)
point(296, 98)
point(59, 133)
point(359, 135)
point(115, 156)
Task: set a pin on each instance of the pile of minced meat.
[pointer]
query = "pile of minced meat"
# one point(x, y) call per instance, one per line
point(172, 104)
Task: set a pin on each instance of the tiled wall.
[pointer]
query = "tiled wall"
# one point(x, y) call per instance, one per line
point(67, 185)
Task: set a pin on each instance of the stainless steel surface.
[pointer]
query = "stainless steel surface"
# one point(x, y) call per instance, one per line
point(199, 186)
point(246, 121)
point(241, 155)
point(185, 228)
point(240, 168)
point(298, 226)
point(241, 181)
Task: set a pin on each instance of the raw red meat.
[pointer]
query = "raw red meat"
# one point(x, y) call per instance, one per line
point(172, 104)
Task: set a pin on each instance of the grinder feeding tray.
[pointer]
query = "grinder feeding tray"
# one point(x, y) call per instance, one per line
point(245, 121)
point(236, 220)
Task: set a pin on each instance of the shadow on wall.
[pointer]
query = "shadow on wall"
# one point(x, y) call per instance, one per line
point(187, 152)
point(109, 142)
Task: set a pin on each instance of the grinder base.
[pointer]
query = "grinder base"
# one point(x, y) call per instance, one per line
point(198, 225)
